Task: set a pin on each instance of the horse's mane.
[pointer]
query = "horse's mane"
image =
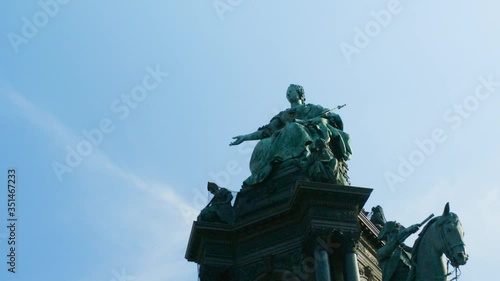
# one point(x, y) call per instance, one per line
point(416, 246)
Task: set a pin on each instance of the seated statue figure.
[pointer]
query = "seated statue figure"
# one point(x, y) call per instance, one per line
point(306, 135)
point(219, 209)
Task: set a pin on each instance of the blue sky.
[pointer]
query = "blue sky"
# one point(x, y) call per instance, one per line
point(163, 86)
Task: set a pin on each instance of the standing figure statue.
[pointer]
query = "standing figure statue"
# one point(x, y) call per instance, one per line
point(219, 209)
point(395, 257)
point(305, 135)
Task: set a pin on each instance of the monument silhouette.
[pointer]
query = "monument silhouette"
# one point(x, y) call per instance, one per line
point(296, 216)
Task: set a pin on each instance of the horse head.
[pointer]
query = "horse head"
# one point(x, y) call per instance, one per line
point(452, 237)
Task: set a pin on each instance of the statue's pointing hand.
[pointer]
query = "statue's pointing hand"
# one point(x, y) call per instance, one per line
point(238, 140)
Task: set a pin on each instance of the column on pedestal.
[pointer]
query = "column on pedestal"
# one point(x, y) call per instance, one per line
point(322, 265)
point(351, 265)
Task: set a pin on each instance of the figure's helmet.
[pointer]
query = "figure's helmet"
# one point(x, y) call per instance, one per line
point(212, 187)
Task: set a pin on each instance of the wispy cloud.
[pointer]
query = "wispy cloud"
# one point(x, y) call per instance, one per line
point(59, 132)
point(163, 254)
point(62, 135)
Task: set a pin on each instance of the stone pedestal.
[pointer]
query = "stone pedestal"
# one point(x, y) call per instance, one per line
point(290, 230)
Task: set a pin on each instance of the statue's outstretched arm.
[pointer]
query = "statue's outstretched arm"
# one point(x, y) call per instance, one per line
point(262, 133)
point(405, 233)
point(257, 135)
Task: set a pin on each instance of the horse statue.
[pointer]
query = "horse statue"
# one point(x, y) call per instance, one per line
point(442, 235)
